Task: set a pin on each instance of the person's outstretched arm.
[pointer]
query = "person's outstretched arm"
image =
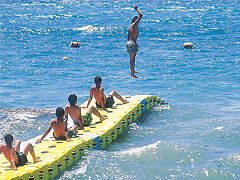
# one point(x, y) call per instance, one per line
point(90, 98)
point(1, 148)
point(66, 112)
point(103, 98)
point(66, 131)
point(140, 15)
point(12, 159)
point(46, 133)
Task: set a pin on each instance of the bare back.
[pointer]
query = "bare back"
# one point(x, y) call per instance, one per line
point(8, 153)
point(98, 95)
point(59, 128)
point(133, 33)
point(74, 112)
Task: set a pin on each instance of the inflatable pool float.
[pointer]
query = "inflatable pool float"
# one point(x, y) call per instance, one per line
point(58, 155)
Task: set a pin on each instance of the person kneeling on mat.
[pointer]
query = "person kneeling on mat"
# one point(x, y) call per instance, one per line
point(59, 126)
point(75, 112)
point(12, 154)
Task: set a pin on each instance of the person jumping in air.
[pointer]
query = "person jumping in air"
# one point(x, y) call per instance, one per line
point(12, 154)
point(132, 46)
point(101, 100)
point(75, 112)
point(59, 125)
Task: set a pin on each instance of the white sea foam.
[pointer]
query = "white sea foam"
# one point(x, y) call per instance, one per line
point(236, 158)
point(161, 107)
point(139, 150)
point(206, 172)
point(24, 116)
point(128, 8)
point(89, 28)
point(75, 172)
point(218, 128)
point(69, 2)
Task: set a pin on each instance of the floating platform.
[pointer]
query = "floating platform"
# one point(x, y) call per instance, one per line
point(58, 155)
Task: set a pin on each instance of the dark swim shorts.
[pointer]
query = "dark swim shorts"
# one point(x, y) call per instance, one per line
point(70, 134)
point(22, 159)
point(109, 102)
point(132, 47)
point(87, 120)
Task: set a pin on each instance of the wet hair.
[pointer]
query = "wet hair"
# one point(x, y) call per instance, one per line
point(59, 112)
point(8, 139)
point(72, 98)
point(97, 81)
point(134, 19)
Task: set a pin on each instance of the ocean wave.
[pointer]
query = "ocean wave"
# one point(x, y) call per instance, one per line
point(23, 113)
point(24, 123)
point(162, 107)
point(139, 150)
point(218, 128)
point(89, 28)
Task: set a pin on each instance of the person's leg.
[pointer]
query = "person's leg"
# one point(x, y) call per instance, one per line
point(29, 148)
point(74, 128)
point(17, 146)
point(93, 110)
point(132, 63)
point(115, 93)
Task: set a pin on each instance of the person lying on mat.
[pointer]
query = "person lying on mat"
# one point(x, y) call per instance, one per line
point(12, 154)
point(59, 125)
point(101, 100)
point(75, 112)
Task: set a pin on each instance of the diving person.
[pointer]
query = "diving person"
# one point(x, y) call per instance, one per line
point(132, 46)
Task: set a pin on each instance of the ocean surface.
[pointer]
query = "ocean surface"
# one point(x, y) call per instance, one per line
point(197, 136)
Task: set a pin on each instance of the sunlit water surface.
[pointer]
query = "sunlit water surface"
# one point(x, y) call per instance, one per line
point(196, 136)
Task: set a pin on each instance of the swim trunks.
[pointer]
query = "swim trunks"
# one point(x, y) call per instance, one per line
point(22, 159)
point(87, 120)
point(132, 47)
point(109, 102)
point(76, 123)
point(70, 134)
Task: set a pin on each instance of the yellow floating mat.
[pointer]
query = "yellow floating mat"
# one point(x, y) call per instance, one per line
point(57, 155)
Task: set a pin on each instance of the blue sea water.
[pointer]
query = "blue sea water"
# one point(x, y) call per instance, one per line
point(196, 137)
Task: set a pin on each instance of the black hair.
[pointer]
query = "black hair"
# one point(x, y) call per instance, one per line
point(134, 19)
point(72, 98)
point(8, 139)
point(59, 112)
point(97, 81)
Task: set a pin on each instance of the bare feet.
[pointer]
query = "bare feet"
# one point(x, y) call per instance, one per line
point(125, 101)
point(133, 75)
point(135, 72)
point(37, 160)
point(103, 118)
